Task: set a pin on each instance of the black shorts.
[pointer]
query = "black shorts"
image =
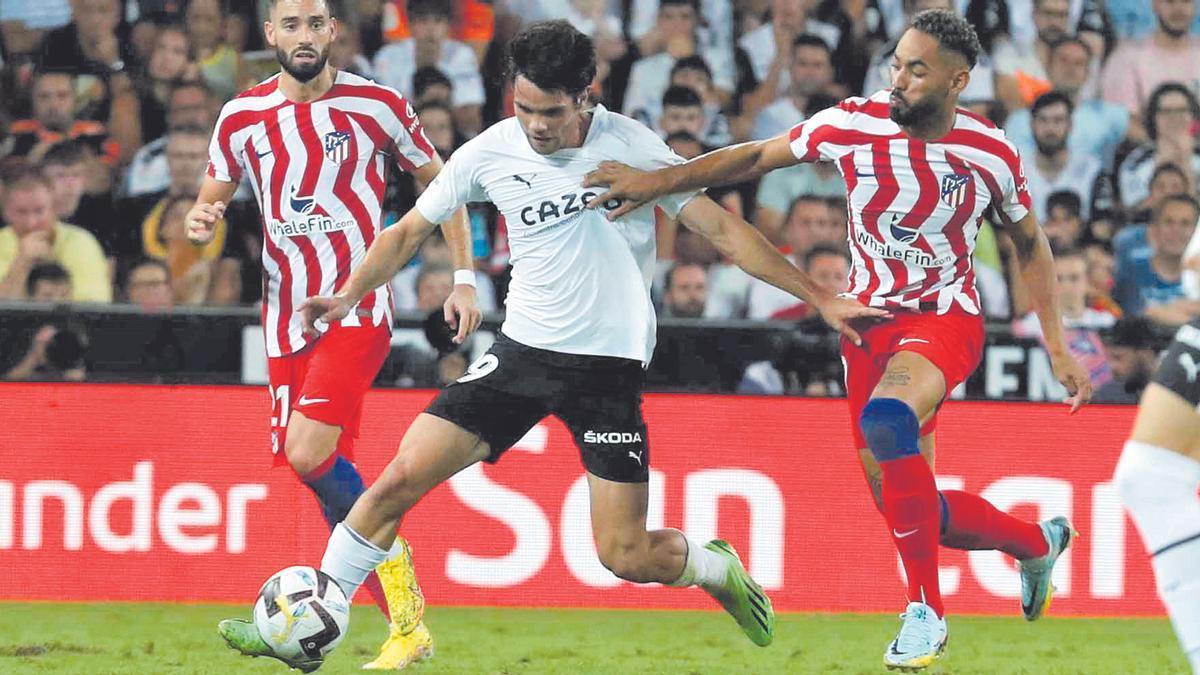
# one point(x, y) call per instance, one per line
point(1180, 365)
point(513, 386)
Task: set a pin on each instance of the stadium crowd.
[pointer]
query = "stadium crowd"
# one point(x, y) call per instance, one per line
point(109, 105)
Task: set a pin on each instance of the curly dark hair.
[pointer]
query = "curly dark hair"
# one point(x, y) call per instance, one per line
point(951, 31)
point(554, 56)
point(1155, 102)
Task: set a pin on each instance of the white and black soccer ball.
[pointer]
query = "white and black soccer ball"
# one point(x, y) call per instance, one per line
point(301, 612)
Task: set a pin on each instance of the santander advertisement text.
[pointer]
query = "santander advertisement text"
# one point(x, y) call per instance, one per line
point(124, 492)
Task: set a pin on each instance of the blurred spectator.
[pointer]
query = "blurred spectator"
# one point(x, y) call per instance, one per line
point(53, 121)
point(200, 275)
point(595, 19)
point(190, 105)
point(346, 53)
point(1168, 180)
point(982, 86)
point(1070, 269)
point(685, 292)
point(1053, 167)
point(54, 353)
point(1101, 278)
point(434, 254)
point(473, 22)
point(810, 223)
point(810, 72)
point(829, 267)
point(96, 47)
point(32, 234)
point(439, 127)
point(1135, 19)
point(678, 22)
point(148, 285)
point(790, 18)
point(692, 72)
point(48, 282)
point(1132, 359)
point(218, 61)
point(1021, 67)
point(415, 362)
point(682, 112)
point(430, 45)
point(715, 31)
point(1097, 126)
point(23, 23)
point(169, 64)
point(1172, 115)
point(431, 85)
point(1170, 54)
point(1063, 223)
point(1150, 284)
point(66, 165)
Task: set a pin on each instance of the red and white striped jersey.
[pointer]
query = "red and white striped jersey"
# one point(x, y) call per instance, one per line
point(318, 170)
point(915, 207)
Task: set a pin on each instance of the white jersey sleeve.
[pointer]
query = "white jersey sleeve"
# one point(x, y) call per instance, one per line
point(1015, 202)
point(648, 152)
point(825, 135)
point(454, 186)
point(224, 163)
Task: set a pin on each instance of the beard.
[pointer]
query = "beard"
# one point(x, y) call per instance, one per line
point(1172, 32)
point(1050, 146)
point(303, 72)
point(910, 114)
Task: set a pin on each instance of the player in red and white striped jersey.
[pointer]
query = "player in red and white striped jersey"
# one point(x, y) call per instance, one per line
point(921, 175)
point(316, 145)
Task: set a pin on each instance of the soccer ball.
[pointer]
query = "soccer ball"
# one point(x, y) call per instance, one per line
point(301, 613)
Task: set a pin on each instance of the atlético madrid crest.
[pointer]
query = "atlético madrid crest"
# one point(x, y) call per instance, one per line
point(337, 148)
point(954, 189)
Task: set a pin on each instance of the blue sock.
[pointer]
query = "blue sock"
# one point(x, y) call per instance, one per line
point(337, 488)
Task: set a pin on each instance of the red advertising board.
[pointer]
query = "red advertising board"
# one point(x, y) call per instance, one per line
point(121, 492)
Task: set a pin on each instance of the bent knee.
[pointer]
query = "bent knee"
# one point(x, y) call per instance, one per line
point(625, 559)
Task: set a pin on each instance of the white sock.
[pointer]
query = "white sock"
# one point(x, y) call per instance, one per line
point(1158, 487)
point(702, 568)
point(349, 558)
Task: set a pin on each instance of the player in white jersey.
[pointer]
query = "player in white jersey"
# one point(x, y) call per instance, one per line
point(579, 327)
point(316, 145)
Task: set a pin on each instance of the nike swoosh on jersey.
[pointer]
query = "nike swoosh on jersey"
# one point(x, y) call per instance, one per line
point(304, 400)
point(908, 340)
point(901, 535)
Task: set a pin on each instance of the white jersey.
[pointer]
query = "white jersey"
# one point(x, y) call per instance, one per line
point(580, 283)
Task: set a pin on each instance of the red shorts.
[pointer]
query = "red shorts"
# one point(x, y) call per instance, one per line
point(327, 382)
point(953, 342)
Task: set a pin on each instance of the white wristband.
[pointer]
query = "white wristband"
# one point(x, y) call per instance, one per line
point(464, 278)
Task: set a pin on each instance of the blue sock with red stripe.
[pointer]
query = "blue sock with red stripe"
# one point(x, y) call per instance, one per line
point(337, 485)
point(911, 504)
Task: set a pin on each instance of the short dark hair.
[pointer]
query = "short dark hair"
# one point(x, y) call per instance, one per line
point(694, 4)
point(436, 8)
point(1155, 100)
point(952, 32)
point(143, 262)
point(426, 77)
point(818, 102)
point(427, 270)
point(46, 271)
point(192, 84)
point(1065, 199)
point(1167, 167)
point(693, 62)
point(819, 250)
point(24, 175)
point(1177, 197)
point(1070, 40)
point(810, 40)
point(684, 97)
point(669, 281)
point(554, 56)
point(1063, 251)
point(1053, 97)
point(64, 153)
point(1134, 332)
point(806, 198)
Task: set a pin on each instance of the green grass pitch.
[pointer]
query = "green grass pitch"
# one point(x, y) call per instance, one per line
point(160, 638)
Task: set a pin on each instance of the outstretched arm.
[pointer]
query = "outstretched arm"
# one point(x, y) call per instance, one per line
point(734, 164)
point(390, 251)
point(748, 249)
point(1036, 265)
